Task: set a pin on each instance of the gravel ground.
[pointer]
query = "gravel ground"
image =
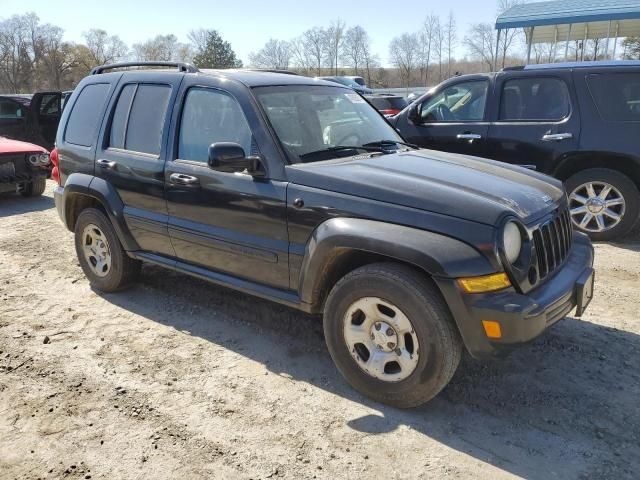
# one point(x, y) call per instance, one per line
point(177, 378)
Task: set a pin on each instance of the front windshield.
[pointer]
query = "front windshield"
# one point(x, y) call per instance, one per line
point(314, 119)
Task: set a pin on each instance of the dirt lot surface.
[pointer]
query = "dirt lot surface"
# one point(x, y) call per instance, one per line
point(176, 378)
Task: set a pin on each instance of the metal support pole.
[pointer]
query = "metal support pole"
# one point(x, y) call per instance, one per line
point(566, 45)
point(530, 41)
point(606, 45)
point(495, 67)
point(552, 50)
point(615, 42)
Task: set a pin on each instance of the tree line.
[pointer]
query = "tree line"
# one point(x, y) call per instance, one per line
point(34, 56)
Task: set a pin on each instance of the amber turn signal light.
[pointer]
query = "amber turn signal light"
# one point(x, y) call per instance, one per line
point(492, 329)
point(486, 283)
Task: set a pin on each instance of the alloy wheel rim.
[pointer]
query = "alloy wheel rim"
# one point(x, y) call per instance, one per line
point(96, 250)
point(381, 339)
point(596, 206)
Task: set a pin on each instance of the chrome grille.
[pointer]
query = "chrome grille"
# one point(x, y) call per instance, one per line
point(552, 241)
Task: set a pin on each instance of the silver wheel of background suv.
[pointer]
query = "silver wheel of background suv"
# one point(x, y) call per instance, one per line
point(96, 250)
point(596, 206)
point(381, 339)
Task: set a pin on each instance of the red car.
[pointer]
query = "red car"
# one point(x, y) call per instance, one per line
point(24, 167)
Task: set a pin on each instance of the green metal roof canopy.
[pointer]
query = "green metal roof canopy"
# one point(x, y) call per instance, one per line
point(568, 20)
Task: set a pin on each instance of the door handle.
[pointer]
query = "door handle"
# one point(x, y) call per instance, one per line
point(468, 136)
point(106, 163)
point(556, 137)
point(182, 179)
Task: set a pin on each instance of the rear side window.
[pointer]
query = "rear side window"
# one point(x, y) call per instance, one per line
point(84, 120)
point(617, 96)
point(387, 103)
point(139, 118)
point(147, 118)
point(531, 99)
point(10, 110)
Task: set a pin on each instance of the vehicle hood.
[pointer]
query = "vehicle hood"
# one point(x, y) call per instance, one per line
point(466, 187)
point(15, 146)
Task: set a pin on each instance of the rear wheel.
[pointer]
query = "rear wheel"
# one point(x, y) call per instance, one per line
point(101, 256)
point(603, 203)
point(391, 334)
point(35, 188)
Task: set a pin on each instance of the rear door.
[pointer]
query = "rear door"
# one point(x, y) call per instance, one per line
point(46, 111)
point(452, 119)
point(535, 120)
point(132, 151)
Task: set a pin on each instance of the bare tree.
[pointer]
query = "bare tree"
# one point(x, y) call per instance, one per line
point(404, 55)
point(162, 48)
point(371, 61)
point(300, 57)
point(450, 40)
point(275, 54)
point(56, 57)
point(16, 53)
point(508, 37)
point(480, 41)
point(438, 45)
point(104, 48)
point(425, 42)
point(314, 45)
point(333, 44)
point(356, 41)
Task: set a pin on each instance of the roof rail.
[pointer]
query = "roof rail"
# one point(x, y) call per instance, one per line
point(272, 70)
point(510, 69)
point(182, 66)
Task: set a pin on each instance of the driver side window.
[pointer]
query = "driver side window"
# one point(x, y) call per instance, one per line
point(464, 102)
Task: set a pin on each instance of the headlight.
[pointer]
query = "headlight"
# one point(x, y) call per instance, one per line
point(39, 159)
point(512, 241)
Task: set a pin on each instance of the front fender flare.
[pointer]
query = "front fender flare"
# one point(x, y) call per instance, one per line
point(436, 254)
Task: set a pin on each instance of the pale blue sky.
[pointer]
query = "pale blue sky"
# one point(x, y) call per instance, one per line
point(247, 24)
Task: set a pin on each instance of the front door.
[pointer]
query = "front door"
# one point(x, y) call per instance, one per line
point(132, 152)
point(453, 119)
point(231, 223)
point(536, 121)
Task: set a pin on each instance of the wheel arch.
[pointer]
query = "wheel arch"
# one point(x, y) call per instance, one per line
point(83, 191)
point(340, 245)
point(576, 162)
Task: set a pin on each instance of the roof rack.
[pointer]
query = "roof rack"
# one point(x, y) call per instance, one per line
point(511, 69)
point(182, 66)
point(272, 70)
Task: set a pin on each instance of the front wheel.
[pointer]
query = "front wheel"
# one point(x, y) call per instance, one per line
point(391, 335)
point(603, 203)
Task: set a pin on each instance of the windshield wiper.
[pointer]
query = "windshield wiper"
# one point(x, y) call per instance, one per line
point(384, 143)
point(339, 148)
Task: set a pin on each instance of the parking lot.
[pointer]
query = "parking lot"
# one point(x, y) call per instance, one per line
point(176, 378)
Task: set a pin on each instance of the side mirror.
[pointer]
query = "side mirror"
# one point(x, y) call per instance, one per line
point(414, 113)
point(230, 157)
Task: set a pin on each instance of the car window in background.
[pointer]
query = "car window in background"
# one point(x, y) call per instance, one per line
point(50, 104)
point(147, 118)
point(388, 103)
point(308, 119)
point(464, 102)
point(211, 116)
point(531, 99)
point(617, 96)
point(85, 116)
point(10, 110)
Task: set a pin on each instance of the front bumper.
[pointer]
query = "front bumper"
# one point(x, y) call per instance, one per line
point(521, 317)
point(58, 198)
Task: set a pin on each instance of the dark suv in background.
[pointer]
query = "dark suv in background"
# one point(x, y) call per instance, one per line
point(31, 118)
point(579, 122)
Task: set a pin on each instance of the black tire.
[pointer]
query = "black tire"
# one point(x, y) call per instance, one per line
point(620, 182)
point(35, 188)
point(123, 269)
point(420, 301)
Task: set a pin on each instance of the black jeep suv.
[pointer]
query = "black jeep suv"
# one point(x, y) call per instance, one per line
point(578, 122)
point(297, 190)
